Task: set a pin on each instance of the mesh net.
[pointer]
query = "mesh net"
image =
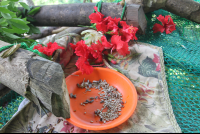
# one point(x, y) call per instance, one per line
point(182, 66)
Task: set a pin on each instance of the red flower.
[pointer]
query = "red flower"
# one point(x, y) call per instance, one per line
point(167, 25)
point(113, 25)
point(39, 47)
point(96, 17)
point(96, 51)
point(119, 45)
point(128, 32)
point(72, 46)
point(101, 26)
point(51, 47)
point(105, 43)
point(81, 49)
point(84, 65)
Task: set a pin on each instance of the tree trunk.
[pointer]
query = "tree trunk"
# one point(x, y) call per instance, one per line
point(188, 9)
point(77, 14)
point(41, 81)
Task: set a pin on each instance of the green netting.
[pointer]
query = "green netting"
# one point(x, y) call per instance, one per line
point(8, 106)
point(182, 64)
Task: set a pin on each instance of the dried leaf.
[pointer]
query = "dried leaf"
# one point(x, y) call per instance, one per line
point(10, 51)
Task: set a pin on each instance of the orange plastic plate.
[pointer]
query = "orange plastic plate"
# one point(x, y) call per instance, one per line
point(114, 78)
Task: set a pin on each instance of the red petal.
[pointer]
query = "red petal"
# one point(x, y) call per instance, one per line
point(84, 66)
point(105, 43)
point(81, 49)
point(72, 46)
point(101, 27)
point(161, 19)
point(158, 28)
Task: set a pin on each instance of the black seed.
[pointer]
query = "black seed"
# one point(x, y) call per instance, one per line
point(87, 101)
point(91, 101)
point(71, 95)
point(92, 98)
point(78, 85)
point(96, 97)
point(74, 96)
point(101, 119)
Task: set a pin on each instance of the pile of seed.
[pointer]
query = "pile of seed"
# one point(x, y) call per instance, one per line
point(109, 95)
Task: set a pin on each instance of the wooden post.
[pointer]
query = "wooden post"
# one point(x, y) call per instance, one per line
point(41, 81)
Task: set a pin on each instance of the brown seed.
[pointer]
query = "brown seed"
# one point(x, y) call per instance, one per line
point(91, 98)
point(85, 102)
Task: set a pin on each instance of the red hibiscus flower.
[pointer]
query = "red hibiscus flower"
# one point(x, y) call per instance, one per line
point(39, 47)
point(119, 45)
point(83, 65)
point(128, 32)
point(96, 17)
point(51, 47)
point(81, 49)
point(105, 43)
point(113, 25)
point(96, 51)
point(167, 25)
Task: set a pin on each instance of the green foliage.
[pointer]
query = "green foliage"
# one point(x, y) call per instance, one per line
point(14, 23)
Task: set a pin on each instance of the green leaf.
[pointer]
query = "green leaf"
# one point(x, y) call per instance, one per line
point(4, 3)
point(24, 19)
point(14, 0)
point(30, 19)
point(5, 10)
point(34, 11)
point(12, 7)
point(34, 29)
point(25, 5)
point(19, 23)
point(19, 31)
point(11, 35)
point(6, 15)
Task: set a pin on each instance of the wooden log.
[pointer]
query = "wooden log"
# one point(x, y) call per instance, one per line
point(41, 81)
point(188, 9)
point(78, 14)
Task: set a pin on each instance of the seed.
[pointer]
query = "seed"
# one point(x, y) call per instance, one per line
point(102, 101)
point(71, 95)
point(74, 110)
point(101, 119)
point(74, 96)
point(92, 98)
point(78, 85)
point(90, 85)
point(81, 104)
point(96, 97)
point(91, 121)
point(125, 102)
point(85, 102)
point(84, 112)
point(91, 101)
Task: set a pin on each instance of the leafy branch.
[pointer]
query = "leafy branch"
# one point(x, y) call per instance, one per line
point(15, 23)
